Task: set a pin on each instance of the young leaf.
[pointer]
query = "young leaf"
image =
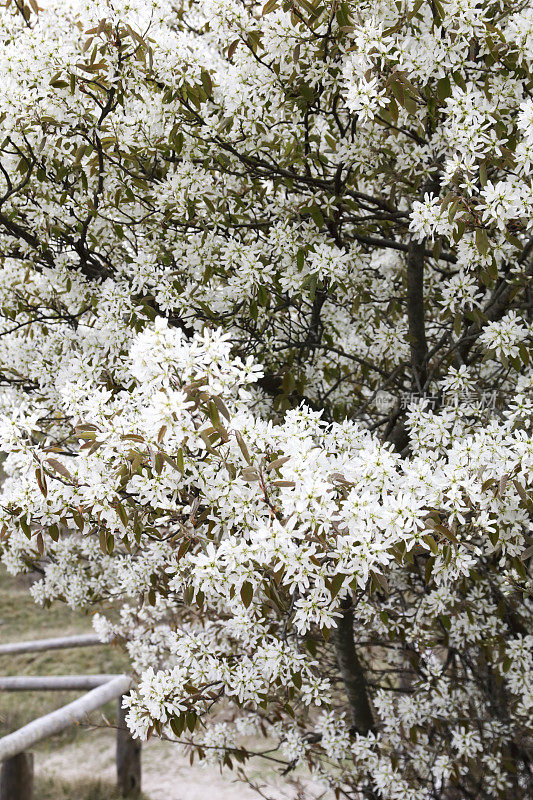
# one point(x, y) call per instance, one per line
point(247, 593)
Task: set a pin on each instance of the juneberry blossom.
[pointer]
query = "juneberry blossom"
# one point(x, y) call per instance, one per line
point(265, 360)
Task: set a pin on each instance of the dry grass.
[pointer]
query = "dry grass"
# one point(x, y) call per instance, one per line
point(53, 789)
point(76, 764)
point(21, 618)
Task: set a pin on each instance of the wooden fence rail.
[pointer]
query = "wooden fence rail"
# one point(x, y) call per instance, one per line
point(53, 683)
point(16, 777)
point(58, 643)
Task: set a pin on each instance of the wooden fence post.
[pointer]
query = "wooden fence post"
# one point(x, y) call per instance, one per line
point(16, 778)
point(128, 758)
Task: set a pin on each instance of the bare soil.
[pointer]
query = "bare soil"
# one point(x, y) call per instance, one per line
point(166, 772)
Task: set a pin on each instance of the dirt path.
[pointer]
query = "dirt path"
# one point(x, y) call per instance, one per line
point(167, 774)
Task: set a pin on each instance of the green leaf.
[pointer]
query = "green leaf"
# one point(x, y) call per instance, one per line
point(307, 93)
point(521, 491)
point(263, 296)
point(59, 467)
point(311, 283)
point(247, 593)
point(278, 462)
point(316, 215)
point(233, 46)
point(207, 83)
point(482, 241)
point(41, 480)
point(457, 77)
point(398, 91)
point(524, 353)
point(527, 553)
point(53, 532)
point(410, 105)
point(446, 532)
point(242, 446)
point(149, 311)
point(519, 567)
point(213, 415)
point(343, 14)
point(183, 548)
point(78, 520)
point(336, 584)
point(177, 725)
point(444, 88)
point(159, 461)
point(269, 6)
point(121, 511)
point(431, 543)
point(23, 522)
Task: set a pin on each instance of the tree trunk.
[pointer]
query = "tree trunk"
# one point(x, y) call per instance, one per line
point(128, 758)
point(352, 672)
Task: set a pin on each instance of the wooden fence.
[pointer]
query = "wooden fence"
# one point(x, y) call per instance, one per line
point(16, 776)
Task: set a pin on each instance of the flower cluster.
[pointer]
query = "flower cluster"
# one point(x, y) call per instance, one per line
point(262, 266)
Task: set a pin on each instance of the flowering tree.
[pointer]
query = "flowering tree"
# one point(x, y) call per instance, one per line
point(265, 352)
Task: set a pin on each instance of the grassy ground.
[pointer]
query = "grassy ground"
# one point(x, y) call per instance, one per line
point(20, 619)
point(52, 789)
point(78, 764)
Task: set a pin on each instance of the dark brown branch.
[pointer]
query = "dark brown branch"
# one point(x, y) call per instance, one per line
point(391, 244)
point(415, 313)
point(16, 230)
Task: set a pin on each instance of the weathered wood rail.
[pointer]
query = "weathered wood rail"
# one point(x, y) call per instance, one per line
point(16, 776)
point(59, 643)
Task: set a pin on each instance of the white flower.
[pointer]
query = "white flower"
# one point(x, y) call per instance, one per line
point(504, 336)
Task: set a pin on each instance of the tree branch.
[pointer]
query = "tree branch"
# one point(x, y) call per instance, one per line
point(415, 312)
